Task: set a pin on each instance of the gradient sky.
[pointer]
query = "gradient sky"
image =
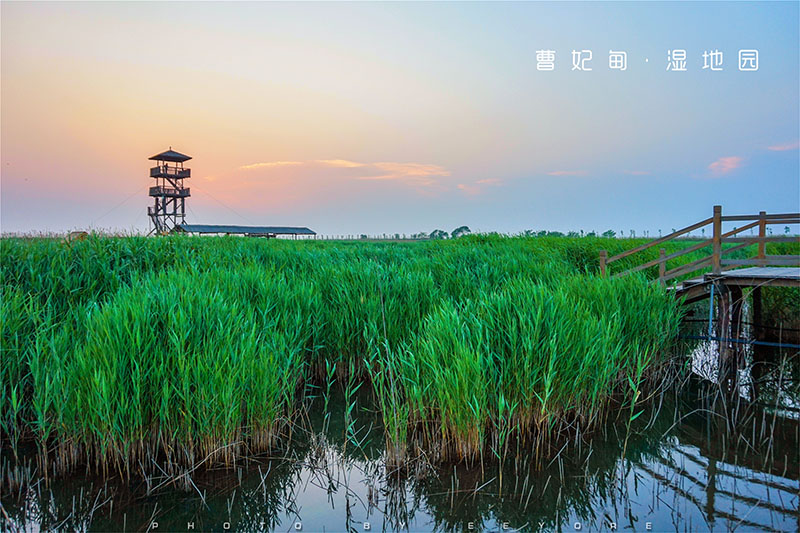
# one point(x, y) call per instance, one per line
point(397, 118)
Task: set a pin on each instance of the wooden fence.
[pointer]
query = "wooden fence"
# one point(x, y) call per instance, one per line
point(716, 260)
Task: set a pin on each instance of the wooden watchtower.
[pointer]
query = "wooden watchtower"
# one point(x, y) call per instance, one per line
point(169, 194)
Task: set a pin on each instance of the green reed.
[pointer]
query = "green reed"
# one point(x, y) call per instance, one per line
point(131, 350)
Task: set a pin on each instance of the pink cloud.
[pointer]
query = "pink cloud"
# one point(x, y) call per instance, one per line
point(270, 164)
point(725, 165)
point(417, 174)
point(281, 183)
point(341, 163)
point(479, 186)
point(567, 173)
point(785, 147)
point(471, 190)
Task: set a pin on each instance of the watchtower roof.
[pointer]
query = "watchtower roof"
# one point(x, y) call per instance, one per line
point(171, 155)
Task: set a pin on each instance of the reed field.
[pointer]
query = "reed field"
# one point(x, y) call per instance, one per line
point(118, 352)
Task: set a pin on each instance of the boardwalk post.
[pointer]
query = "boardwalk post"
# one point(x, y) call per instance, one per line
point(662, 265)
point(724, 355)
point(716, 264)
point(762, 233)
point(603, 257)
point(758, 332)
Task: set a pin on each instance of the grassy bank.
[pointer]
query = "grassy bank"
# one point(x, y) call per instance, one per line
point(119, 351)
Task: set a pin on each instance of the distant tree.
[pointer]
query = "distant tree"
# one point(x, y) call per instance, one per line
point(633, 234)
point(529, 233)
point(459, 231)
point(554, 234)
point(363, 236)
point(581, 233)
point(609, 234)
point(439, 234)
point(573, 234)
point(786, 230)
point(591, 234)
point(542, 233)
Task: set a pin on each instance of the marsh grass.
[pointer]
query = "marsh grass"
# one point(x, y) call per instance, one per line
point(123, 352)
point(526, 358)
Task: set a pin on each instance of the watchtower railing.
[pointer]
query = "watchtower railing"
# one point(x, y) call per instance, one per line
point(169, 191)
point(168, 171)
point(716, 260)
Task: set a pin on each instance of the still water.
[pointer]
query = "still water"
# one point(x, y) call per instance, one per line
point(675, 470)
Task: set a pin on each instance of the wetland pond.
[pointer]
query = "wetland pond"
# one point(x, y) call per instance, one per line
point(678, 467)
point(674, 470)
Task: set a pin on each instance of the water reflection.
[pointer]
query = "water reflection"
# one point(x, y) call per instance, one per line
point(765, 372)
point(678, 472)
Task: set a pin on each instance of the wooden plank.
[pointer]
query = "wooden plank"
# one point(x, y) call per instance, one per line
point(761, 277)
point(734, 248)
point(765, 272)
point(773, 217)
point(679, 253)
point(734, 231)
point(768, 260)
point(688, 267)
point(761, 282)
point(695, 294)
point(756, 240)
point(665, 238)
point(783, 221)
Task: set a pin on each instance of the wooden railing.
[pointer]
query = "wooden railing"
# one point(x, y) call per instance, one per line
point(170, 171)
point(169, 191)
point(716, 260)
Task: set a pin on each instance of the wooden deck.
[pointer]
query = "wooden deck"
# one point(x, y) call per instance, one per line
point(699, 288)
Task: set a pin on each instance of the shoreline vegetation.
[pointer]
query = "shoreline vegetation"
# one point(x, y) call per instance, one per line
point(119, 352)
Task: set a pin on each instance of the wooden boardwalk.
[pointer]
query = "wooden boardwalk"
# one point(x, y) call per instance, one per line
point(765, 270)
point(727, 279)
point(699, 288)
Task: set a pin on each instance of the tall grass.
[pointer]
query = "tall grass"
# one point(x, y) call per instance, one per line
point(123, 351)
point(521, 360)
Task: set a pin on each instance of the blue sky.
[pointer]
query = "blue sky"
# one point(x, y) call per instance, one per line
point(398, 117)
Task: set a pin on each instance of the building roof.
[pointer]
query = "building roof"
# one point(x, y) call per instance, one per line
point(171, 155)
point(245, 230)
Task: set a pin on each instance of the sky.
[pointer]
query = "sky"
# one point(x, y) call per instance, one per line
point(375, 118)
